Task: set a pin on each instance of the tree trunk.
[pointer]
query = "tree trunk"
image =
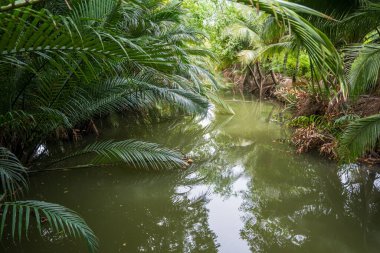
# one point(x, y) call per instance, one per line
point(254, 78)
point(261, 79)
point(274, 77)
point(297, 66)
point(285, 63)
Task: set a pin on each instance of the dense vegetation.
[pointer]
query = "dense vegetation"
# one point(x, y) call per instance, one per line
point(65, 65)
point(323, 64)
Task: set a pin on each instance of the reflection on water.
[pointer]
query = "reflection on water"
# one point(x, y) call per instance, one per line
point(247, 192)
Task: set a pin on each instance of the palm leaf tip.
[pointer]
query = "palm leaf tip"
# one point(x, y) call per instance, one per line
point(364, 71)
point(59, 218)
point(361, 136)
point(12, 174)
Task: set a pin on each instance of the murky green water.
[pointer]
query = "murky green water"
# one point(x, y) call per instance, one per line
point(247, 192)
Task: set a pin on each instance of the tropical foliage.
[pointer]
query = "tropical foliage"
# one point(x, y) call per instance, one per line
point(17, 217)
point(329, 52)
point(64, 65)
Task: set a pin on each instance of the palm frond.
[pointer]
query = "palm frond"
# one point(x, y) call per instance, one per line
point(136, 153)
point(242, 33)
point(62, 43)
point(20, 215)
point(187, 100)
point(16, 122)
point(361, 136)
point(247, 57)
point(51, 37)
point(93, 12)
point(322, 53)
point(12, 173)
point(364, 71)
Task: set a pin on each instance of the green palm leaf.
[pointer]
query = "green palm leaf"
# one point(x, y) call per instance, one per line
point(93, 12)
point(62, 42)
point(185, 99)
point(319, 48)
point(12, 174)
point(20, 214)
point(361, 136)
point(136, 153)
point(364, 72)
point(242, 33)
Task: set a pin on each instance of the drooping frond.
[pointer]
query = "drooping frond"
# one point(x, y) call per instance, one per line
point(52, 38)
point(67, 45)
point(16, 122)
point(136, 153)
point(319, 48)
point(219, 102)
point(242, 33)
point(272, 30)
point(93, 12)
point(186, 100)
point(80, 107)
point(143, 18)
point(361, 135)
point(17, 218)
point(247, 57)
point(364, 72)
point(12, 174)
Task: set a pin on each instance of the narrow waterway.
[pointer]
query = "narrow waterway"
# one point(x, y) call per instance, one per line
point(246, 192)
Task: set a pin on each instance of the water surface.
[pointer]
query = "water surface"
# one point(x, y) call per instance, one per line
point(247, 192)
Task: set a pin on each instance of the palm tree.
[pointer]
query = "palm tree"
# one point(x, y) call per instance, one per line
point(362, 60)
point(324, 58)
point(64, 66)
point(85, 67)
point(262, 39)
point(363, 66)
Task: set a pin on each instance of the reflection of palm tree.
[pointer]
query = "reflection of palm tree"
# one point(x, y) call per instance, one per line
point(290, 200)
point(169, 222)
point(297, 204)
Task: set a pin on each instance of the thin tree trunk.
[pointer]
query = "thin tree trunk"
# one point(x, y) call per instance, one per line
point(274, 77)
point(20, 4)
point(93, 127)
point(254, 78)
point(285, 63)
point(297, 66)
point(261, 79)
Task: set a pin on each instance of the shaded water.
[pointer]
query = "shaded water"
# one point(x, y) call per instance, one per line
point(247, 192)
